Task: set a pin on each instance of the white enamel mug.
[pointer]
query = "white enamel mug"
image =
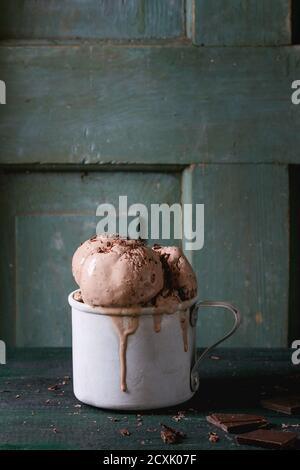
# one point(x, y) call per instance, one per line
point(161, 367)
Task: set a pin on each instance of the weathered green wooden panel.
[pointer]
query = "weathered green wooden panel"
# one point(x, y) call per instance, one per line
point(43, 244)
point(140, 104)
point(245, 259)
point(240, 22)
point(44, 218)
point(102, 19)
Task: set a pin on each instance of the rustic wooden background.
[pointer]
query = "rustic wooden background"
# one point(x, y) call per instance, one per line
point(166, 101)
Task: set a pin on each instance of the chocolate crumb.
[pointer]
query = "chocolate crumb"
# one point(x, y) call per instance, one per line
point(170, 435)
point(53, 387)
point(213, 437)
point(179, 416)
point(78, 297)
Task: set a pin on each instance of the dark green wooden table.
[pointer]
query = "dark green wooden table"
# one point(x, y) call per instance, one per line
point(39, 411)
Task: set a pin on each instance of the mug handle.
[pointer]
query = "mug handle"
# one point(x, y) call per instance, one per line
point(193, 320)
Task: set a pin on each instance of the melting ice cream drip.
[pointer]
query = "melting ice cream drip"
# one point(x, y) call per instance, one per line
point(185, 328)
point(183, 318)
point(126, 326)
point(157, 317)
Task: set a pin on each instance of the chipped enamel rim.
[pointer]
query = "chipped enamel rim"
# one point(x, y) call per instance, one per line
point(184, 305)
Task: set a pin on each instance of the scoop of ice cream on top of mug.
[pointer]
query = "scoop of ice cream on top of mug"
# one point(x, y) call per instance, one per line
point(130, 277)
point(112, 271)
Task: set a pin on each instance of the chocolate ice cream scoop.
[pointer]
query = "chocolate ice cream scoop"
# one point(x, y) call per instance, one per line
point(167, 300)
point(179, 274)
point(84, 250)
point(114, 271)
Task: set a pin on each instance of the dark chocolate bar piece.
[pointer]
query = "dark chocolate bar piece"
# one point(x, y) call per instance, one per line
point(286, 404)
point(236, 423)
point(268, 438)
